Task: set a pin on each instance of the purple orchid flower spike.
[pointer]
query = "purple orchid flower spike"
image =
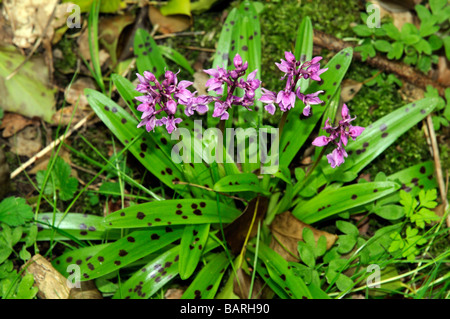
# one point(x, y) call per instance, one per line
point(167, 95)
point(293, 71)
point(339, 136)
point(233, 79)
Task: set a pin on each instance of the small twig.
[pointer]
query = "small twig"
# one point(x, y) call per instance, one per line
point(50, 146)
point(178, 34)
point(198, 48)
point(36, 45)
point(437, 162)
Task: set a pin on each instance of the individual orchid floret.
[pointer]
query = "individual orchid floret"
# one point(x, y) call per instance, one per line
point(308, 100)
point(339, 136)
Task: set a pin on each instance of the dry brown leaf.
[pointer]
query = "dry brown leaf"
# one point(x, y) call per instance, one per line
point(397, 10)
point(200, 79)
point(51, 284)
point(168, 24)
point(242, 288)
point(288, 231)
point(29, 18)
point(110, 29)
point(13, 123)
point(87, 290)
point(349, 88)
point(443, 72)
point(75, 93)
point(236, 232)
point(4, 174)
point(83, 48)
point(174, 293)
point(27, 142)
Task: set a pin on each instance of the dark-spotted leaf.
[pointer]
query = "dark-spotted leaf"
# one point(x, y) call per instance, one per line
point(377, 137)
point(172, 212)
point(332, 202)
point(128, 249)
point(207, 281)
point(192, 244)
point(145, 282)
point(239, 183)
point(149, 57)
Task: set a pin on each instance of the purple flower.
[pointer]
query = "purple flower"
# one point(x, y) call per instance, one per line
point(293, 71)
point(339, 136)
point(232, 79)
point(167, 95)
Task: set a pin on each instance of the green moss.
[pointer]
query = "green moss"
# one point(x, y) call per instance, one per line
point(69, 61)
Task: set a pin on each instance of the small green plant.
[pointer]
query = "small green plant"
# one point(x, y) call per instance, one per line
point(442, 113)
point(414, 46)
point(417, 213)
point(59, 180)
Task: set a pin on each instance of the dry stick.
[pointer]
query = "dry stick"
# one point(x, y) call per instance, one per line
point(402, 70)
point(36, 45)
point(437, 163)
point(50, 146)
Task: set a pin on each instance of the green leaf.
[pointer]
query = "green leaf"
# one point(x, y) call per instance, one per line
point(362, 30)
point(281, 273)
point(28, 92)
point(175, 56)
point(304, 47)
point(348, 241)
point(391, 31)
point(110, 6)
point(239, 183)
point(377, 137)
point(390, 212)
point(176, 7)
point(446, 41)
point(192, 244)
point(152, 277)
point(382, 45)
point(333, 202)
point(128, 249)
point(428, 199)
point(423, 13)
point(59, 180)
point(424, 216)
point(408, 202)
point(14, 211)
point(172, 212)
point(25, 289)
point(149, 57)
point(396, 52)
point(207, 281)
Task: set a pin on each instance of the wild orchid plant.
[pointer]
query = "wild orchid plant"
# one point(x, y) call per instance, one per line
point(189, 236)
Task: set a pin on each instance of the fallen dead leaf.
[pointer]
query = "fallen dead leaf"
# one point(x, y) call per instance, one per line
point(397, 10)
point(27, 142)
point(200, 79)
point(87, 290)
point(349, 89)
point(29, 18)
point(4, 174)
point(13, 123)
point(83, 48)
point(110, 29)
point(170, 23)
point(236, 232)
point(74, 94)
point(443, 72)
point(288, 231)
point(242, 288)
point(174, 293)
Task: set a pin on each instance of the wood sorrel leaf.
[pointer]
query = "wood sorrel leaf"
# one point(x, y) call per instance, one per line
point(171, 212)
point(339, 200)
point(291, 139)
